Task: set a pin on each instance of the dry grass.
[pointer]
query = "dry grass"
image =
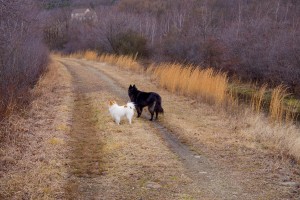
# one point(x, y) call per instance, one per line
point(126, 62)
point(136, 156)
point(31, 155)
point(78, 55)
point(126, 156)
point(205, 84)
point(193, 81)
point(232, 138)
point(91, 55)
point(277, 104)
point(123, 61)
point(283, 138)
point(257, 99)
point(212, 86)
point(292, 113)
point(196, 121)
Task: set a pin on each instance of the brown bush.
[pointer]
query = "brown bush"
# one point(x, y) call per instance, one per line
point(23, 54)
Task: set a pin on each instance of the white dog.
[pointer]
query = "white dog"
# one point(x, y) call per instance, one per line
point(117, 112)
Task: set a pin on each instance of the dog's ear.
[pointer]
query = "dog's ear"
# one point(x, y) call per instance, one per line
point(112, 102)
point(134, 86)
point(130, 86)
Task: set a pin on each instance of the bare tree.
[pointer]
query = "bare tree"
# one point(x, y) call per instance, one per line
point(255, 40)
point(23, 54)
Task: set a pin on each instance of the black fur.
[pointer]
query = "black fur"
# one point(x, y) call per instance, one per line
point(142, 99)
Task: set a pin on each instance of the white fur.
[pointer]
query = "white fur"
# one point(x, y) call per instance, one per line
point(117, 112)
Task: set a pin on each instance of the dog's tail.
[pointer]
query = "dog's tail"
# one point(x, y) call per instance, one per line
point(158, 107)
point(130, 105)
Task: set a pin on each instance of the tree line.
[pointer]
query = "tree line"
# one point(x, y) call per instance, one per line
point(253, 40)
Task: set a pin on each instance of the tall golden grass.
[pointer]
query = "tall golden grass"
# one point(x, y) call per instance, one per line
point(123, 61)
point(209, 85)
point(90, 55)
point(192, 81)
point(292, 112)
point(78, 55)
point(257, 99)
point(277, 104)
point(126, 62)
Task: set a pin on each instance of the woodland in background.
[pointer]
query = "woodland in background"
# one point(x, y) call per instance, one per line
point(23, 53)
point(252, 40)
point(255, 40)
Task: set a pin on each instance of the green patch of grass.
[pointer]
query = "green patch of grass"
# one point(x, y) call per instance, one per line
point(293, 103)
point(245, 92)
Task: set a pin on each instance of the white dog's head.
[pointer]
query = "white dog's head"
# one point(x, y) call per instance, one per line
point(111, 102)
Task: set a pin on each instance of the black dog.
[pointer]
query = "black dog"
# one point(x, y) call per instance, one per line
point(142, 99)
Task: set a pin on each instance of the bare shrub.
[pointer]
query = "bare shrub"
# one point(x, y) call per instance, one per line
point(55, 27)
point(254, 40)
point(23, 54)
point(130, 43)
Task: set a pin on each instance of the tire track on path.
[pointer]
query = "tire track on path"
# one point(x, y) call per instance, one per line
point(85, 154)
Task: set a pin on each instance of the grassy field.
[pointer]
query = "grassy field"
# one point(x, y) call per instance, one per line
point(211, 86)
point(272, 113)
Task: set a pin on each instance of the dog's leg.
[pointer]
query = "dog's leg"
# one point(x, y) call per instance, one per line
point(129, 118)
point(151, 112)
point(151, 116)
point(139, 111)
point(118, 119)
point(156, 114)
point(151, 109)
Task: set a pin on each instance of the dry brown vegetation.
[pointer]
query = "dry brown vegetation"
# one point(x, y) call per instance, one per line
point(245, 141)
point(196, 83)
point(209, 85)
point(257, 99)
point(107, 161)
point(59, 160)
point(23, 54)
point(193, 81)
point(127, 62)
point(277, 104)
point(32, 146)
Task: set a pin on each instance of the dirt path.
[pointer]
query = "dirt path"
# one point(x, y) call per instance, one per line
point(85, 145)
point(146, 160)
point(103, 162)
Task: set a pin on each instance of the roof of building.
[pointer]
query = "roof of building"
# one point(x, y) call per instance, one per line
point(81, 10)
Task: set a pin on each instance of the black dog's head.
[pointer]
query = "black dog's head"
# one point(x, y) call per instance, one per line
point(132, 91)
